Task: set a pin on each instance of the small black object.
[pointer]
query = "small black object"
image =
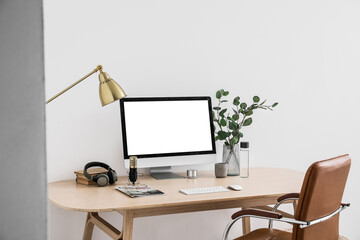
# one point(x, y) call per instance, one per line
point(101, 179)
point(133, 175)
point(244, 144)
point(133, 169)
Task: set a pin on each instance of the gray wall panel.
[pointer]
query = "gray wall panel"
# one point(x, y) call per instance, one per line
point(22, 121)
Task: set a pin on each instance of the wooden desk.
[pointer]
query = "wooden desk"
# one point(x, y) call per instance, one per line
point(262, 188)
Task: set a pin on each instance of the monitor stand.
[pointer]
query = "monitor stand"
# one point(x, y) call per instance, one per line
point(160, 173)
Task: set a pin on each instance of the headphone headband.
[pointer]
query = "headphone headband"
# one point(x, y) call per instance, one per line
point(94, 164)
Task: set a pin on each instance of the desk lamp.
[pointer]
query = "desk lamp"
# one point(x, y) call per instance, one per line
point(109, 90)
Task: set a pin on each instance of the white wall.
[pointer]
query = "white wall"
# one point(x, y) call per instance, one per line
point(304, 54)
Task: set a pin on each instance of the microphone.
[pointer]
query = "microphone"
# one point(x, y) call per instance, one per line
point(133, 169)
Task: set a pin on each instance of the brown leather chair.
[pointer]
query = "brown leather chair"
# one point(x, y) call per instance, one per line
point(319, 204)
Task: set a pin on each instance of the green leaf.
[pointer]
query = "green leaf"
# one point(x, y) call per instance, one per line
point(223, 122)
point(226, 93)
point(234, 111)
point(235, 117)
point(213, 114)
point(228, 118)
point(218, 94)
point(256, 99)
point(248, 113)
point(263, 102)
point(275, 104)
point(234, 140)
point(253, 106)
point(243, 105)
point(217, 108)
point(236, 101)
point(222, 112)
point(217, 138)
point(233, 125)
point(247, 122)
point(241, 135)
point(222, 101)
point(222, 135)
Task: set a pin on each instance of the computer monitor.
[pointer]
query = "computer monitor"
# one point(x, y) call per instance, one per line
point(166, 131)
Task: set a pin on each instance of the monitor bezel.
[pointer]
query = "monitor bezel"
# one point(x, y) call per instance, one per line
point(172, 154)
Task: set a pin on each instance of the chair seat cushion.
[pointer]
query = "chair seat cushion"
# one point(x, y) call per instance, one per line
point(266, 234)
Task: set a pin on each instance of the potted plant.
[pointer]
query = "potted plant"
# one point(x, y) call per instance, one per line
point(229, 121)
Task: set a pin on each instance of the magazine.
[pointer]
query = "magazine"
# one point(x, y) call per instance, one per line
point(139, 191)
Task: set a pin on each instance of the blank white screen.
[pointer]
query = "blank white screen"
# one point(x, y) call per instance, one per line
point(157, 127)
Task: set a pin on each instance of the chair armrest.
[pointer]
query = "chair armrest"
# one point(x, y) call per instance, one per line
point(269, 215)
point(289, 195)
point(281, 200)
point(319, 220)
point(256, 212)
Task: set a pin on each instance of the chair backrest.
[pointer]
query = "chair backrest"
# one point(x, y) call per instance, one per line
point(320, 195)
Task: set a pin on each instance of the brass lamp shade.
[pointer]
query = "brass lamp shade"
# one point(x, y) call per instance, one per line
point(109, 90)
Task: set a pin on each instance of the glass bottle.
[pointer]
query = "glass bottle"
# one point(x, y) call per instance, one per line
point(244, 159)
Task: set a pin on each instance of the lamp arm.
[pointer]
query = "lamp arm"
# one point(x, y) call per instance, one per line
point(98, 68)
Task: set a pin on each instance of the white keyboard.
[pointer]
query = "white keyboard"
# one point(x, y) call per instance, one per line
point(191, 191)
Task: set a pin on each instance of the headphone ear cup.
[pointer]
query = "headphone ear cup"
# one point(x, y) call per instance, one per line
point(112, 176)
point(102, 180)
point(113, 173)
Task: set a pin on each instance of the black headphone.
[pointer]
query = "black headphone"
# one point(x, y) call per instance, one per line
point(102, 179)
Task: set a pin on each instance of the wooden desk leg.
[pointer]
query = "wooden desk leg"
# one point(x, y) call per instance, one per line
point(128, 222)
point(246, 225)
point(295, 203)
point(89, 227)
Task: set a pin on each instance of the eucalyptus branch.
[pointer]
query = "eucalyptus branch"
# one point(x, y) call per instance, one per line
point(237, 109)
point(234, 124)
point(218, 116)
point(228, 130)
point(242, 122)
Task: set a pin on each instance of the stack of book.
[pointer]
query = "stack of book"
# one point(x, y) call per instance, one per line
point(80, 178)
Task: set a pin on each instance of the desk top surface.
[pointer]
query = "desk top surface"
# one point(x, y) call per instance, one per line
point(263, 182)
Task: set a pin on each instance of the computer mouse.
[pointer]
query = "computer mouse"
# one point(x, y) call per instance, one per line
point(235, 187)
